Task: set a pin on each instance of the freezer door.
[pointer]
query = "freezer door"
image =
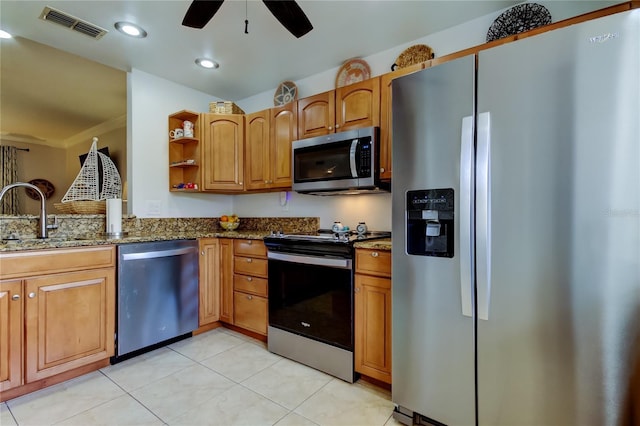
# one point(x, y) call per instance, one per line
point(433, 347)
point(560, 341)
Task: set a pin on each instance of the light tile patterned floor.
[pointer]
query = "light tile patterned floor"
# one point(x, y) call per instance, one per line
point(217, 378)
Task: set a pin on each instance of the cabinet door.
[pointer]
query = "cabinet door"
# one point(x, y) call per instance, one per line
point(226, 280)
point(11, 314)
point(358, 105)
point(316, 115)
point(223, 153)
point(251, 312)
point(373, 327)
point(70, 320)
point(257, 151)
point(209, 277)
point(284, 130)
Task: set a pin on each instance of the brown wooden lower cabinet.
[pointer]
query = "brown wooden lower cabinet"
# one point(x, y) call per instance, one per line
point(226, 280)
point(250, 312)
point(250, 303)
point(373, 314)
point(209, 281)
point(54, 322)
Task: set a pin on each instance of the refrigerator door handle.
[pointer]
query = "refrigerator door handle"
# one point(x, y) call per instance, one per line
point(466, 217)
point(483, 215)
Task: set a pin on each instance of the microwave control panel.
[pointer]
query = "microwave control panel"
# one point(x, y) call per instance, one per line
point(364, 155)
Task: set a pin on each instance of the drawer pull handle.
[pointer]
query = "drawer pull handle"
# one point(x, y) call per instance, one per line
point(249, 278)
point(15, 297)
point(374, 254)
point(249, 297)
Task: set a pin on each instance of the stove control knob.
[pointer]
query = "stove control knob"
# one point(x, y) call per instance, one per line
point(361, 228)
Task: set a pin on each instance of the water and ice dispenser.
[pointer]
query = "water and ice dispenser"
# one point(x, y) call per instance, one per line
point(430, 227)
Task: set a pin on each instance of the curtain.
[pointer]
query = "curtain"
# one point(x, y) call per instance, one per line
point(9, 163)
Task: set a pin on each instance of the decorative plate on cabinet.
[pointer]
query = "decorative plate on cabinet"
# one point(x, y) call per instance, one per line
point(43, 185)
point(518, 19)
point(286, 92)
point(353, 71)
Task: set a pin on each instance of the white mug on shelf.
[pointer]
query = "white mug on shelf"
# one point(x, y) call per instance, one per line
point(188, 129)
point(176, 133)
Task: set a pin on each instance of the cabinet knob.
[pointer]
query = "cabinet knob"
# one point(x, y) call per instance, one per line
point(32, 295)
point(266, 181)
point(375, 254)
point(249, 278)
point(249, 260)
point(202, 252)
point(381, 169)
point(337, 126)
point(249, 297)
point(15, 297)
point(357, 289)
point(330, 128)
point(249, 242)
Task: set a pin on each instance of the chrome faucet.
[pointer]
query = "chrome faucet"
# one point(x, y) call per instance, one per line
point(43, 206)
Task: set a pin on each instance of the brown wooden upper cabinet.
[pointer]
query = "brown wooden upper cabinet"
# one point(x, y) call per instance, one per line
point(269, 134)
point(345, 108)
point(222, 152)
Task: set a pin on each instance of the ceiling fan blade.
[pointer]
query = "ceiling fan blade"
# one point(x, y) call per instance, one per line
point(290, 16)
point(200, 13)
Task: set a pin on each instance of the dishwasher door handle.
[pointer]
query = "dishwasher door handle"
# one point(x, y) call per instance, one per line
point(158, 253)
point(311, 260)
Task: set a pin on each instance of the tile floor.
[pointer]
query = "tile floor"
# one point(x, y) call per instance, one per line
point(217, 378)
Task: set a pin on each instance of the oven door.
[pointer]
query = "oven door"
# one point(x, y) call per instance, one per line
point(312, 297)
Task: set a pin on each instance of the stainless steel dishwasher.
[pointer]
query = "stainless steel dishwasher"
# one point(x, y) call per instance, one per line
point(157, 294)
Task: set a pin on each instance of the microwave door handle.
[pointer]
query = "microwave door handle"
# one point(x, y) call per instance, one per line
point(352, 158)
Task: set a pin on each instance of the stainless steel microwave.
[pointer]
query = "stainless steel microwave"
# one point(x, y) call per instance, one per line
point(338, 163)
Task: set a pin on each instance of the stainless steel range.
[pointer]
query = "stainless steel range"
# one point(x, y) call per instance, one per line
point(311, 298)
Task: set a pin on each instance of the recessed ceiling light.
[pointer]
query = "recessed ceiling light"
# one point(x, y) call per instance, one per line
point(4, 34)
point(130, 29)
point(207, 63)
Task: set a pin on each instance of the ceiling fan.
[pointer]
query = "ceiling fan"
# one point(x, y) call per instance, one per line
point(287, 12)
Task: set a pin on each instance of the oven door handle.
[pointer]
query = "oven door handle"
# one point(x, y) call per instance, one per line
point(311, 260)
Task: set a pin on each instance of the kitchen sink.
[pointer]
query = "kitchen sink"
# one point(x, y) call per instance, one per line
point(35, 240)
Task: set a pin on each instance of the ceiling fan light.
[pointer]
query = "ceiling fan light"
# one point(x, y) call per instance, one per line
point(207, 63)
point(130, 29)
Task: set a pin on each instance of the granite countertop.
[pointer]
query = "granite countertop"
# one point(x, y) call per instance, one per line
point(83, 241)
point(383, 244)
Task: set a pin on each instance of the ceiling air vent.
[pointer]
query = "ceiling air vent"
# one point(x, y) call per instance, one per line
point(72, 23)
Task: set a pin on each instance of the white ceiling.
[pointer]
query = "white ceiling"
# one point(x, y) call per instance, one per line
point(249, 63)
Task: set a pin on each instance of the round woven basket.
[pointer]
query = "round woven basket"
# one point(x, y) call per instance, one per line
point(413, 55)
point(82, 207)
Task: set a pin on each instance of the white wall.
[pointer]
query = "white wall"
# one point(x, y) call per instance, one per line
point(153, 99)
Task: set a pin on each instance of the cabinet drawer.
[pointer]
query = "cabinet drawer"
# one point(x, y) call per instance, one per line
point(250, 266)
point(249, 284)
point(250, 312)
point(29, 263)
point(373, 262)
point(249, 248)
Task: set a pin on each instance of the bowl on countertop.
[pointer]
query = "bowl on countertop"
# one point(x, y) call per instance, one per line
point(229, 226)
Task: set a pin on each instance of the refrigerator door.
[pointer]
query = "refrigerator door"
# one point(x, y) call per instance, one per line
point(433, 342)
point(562, 334)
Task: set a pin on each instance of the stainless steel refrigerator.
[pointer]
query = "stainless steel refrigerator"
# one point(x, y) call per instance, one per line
point(516, 231)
